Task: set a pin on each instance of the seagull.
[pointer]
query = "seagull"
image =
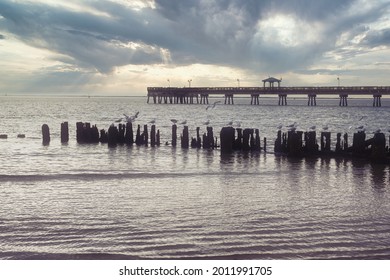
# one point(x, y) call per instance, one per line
point(292, 125)
point(325, 127)
point(184, 122)
point(207, 122)
point(313, 127)
point(361, 128)
point(131, 118)
point(292, 128)
point(153, 121)
point(174, 120)
point(279, 127)
point(230, 123)
point(119, 120)
point(213, 106)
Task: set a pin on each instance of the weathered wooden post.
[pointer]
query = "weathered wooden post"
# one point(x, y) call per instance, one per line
point(245, 139)
point(45, 134)
point(79, 132)
point(64, 132)
point(358, 144)
point(174, 135)
point(121, 133)
point(227, 139)
point(345, 146)
point(113, 136)
point(210, 137)
point(257, 140)
point(198, 138)
point(338, 143)
point(94, 134)
point(311, 142)
point(145, 138)
point(185, 138)
point(378, 147)
point(206, 144)
point(265, 144)
point(238, 142)
point(294, 142)
point(129, 140)
point(153, 136)
point(284, 143)
point(158, 138)
point(138, 138)
point(278, 142)
point(103, 136)
point(252, 140)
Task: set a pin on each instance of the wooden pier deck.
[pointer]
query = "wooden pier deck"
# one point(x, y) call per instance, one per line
point(200, 95)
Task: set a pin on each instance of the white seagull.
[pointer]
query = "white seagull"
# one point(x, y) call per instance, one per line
point(292, 126)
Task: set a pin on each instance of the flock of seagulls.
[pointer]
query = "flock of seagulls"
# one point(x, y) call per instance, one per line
point(290, 127)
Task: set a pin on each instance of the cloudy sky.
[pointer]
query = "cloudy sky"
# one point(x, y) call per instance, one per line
point(123, 46)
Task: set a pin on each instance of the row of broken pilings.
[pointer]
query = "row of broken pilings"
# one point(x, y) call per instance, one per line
point(123, 134)
point(247, 139)
point(300, 144)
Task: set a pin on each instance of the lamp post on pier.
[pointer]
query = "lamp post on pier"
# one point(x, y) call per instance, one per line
point(189, 82)
point(238, 82)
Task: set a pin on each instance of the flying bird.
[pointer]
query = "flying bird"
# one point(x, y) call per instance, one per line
point(131, 118)
point(213, 105)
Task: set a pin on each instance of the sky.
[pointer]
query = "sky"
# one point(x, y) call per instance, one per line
point(121, 47)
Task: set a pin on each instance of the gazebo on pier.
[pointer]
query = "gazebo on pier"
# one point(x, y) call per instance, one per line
point(272, 81)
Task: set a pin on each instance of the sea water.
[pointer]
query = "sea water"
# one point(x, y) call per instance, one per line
point(74, 201)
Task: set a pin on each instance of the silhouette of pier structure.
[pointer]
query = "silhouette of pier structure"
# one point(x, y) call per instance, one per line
point(200, 95)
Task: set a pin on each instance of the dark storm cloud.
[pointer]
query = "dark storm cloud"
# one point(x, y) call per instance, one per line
point(223, 32)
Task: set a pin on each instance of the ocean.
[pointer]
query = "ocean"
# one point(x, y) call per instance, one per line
point(90, 201)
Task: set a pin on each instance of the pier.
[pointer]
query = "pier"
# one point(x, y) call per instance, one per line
point(200, 95)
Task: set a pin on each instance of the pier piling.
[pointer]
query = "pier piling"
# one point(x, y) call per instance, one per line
point(64, 132)
point(45, 134)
